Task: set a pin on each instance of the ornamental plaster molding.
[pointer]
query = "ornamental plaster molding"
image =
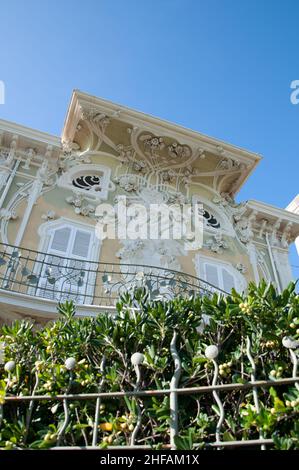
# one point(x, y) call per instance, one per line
point(217, 244)
point(50, 215)
point(287, 238)
point(126, 155)
point(129, 183)
point(8, 214)
point(159, 253)
point(30, 154)
point(241, 268)
point(138, 185)
point(232, 209)
point(81, 206)
point(262, 264)
point(243, 227)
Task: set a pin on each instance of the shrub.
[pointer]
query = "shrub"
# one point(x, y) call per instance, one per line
point(141, 325)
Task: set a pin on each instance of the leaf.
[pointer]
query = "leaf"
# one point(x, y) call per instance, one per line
point(48, 271)
point(273, 392)
point(279, 405)
point(54, 408)
point(32, 278)
point(227, 436)
point(2, 397)
point(25, 272)
point(182, 443)
point(216, 409)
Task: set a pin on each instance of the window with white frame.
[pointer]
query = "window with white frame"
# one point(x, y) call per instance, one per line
point(214, 219)
point(92, 180)
point(219, 274)
point(65, 271)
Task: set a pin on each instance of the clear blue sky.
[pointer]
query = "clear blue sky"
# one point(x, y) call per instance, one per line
point(222, 67)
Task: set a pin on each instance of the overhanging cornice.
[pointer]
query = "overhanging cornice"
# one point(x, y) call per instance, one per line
point(29, 133)
point(82, 102)
point(273, 212)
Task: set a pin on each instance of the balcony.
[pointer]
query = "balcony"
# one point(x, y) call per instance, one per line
point(32, 282)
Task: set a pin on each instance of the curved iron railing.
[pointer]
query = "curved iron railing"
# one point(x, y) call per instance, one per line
point(88, 282)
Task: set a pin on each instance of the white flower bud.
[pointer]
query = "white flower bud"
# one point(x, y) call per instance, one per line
point(9, 366)
point(290, 343)
point(137, 359)
point(211, 352)
point(70, 363)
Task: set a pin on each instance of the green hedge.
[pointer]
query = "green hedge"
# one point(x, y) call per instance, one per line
point(262, 314)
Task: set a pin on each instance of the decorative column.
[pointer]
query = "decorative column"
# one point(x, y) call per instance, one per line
point(281, 255)
point(253, 261)
point(244, 231)
point(281, 258)
point(35, 191)
point(6, 175)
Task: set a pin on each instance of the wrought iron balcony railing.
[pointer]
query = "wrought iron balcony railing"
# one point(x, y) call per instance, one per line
point(87, 282)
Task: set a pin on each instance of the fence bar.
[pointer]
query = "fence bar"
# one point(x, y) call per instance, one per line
point(218, 401)
point(31, 406)
point(295, 366)
point(143, 393)
point(137, 359)
point(254, 390)
point(61, 431)
point(173, 391)
point(98, 404)
point(251, 442)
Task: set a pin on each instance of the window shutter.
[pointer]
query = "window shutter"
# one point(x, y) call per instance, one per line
point(228, 281)
point(65, 273)
point(212, 274)
point(81, 244)
point(60, 240)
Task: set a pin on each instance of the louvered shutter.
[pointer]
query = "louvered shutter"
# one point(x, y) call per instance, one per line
point(81, 244)
point(77, 266)
point(66, 277)
point(53, 267)
point(211, 274)
point(61, 240)
point(228, 280)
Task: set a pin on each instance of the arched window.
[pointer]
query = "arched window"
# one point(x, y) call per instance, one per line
point(210, 219)
point(66, 271)
point(219, 274)
point(92, 180)
point(214, 217)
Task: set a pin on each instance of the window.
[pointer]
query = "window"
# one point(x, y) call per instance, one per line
point(214, 215)
point(93, 180)
point(210, 219)
point(66, 272)
point(88, 182)
point(219, 274)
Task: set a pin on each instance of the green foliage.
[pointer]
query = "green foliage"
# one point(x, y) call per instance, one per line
point(140, 325)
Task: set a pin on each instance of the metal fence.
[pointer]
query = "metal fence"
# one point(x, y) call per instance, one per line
point(88, 282)
point(174, 392)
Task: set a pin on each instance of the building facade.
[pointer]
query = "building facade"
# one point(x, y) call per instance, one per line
point(50, 189)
